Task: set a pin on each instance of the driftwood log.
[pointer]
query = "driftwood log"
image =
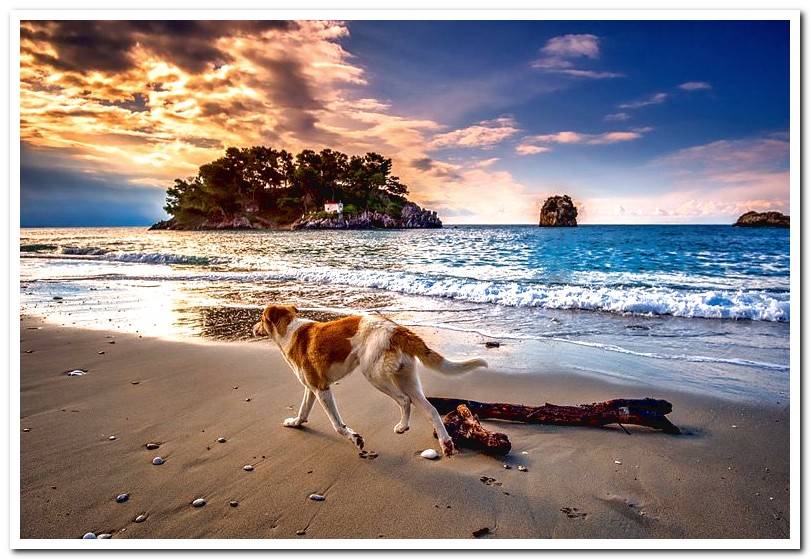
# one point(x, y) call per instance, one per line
point(462, 418)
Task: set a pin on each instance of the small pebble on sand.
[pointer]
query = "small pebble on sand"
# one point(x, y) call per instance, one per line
point(158, 461)
point(247, 400)
point(75, 372)
point(101, 352)
point(617, 462)
point(506, 466)
point(121, 498)
point(135, 382)
point(317, 497)
point(236, 387)
point(430, 454)
point(248, 468)
point(89, 536)
point(199, 502)
point(233, 503)
point(105, 536)
point(152, 445)
point(111, 438)
point(522, 468)
point(220, 440)
point(301, 532)
point(481, 532)
point(111, 342)
point(141, 518)
point(26, 429)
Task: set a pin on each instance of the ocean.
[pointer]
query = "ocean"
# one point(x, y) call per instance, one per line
point(701, 308)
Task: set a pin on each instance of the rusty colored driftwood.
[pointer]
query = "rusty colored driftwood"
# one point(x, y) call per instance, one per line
point(465, 431)
point(463, 426)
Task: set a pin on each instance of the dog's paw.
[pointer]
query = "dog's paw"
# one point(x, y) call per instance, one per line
point(357, 440)
point(448, 449)
point(292, 422)
point(401, 428)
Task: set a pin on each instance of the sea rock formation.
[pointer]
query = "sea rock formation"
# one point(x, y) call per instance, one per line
point(763, 219)
point(558, 211)
point(412, 217)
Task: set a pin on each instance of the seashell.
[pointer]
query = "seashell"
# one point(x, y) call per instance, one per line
point(199, 502)
point(158, 461)
point(141, 518)
point(89, 536)
point(220, 440)
point(233, 503)
point(430, 454)
point(317, 497)
point(105, 536)
point(152, 445)
point(248, 468)
point(121, 498)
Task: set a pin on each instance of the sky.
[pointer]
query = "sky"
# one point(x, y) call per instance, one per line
point(638, 121)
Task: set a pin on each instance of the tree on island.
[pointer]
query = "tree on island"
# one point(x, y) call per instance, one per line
point(275, 187)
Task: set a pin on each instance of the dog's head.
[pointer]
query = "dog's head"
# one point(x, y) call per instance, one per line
point(275, 319)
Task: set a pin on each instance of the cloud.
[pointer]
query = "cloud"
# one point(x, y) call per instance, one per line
point(486, 135)
point(616, 117)
point(559, 53)
point(654, 99)
point(694, 86)
point(714, 182)
point(128, 105)
point(539, 143)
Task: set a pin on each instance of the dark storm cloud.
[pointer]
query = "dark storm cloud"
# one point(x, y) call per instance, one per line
point(107, 45)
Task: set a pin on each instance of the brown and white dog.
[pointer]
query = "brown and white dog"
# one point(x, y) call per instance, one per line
point(385, 352)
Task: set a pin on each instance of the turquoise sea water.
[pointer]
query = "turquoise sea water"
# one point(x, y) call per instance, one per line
point(714, 297)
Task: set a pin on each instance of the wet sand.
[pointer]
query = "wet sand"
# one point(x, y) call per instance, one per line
point(726, 477)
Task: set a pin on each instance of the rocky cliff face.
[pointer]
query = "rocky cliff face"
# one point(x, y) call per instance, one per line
point(558, 211)
point(412, 217)
point(234, 222)
point(763, 219)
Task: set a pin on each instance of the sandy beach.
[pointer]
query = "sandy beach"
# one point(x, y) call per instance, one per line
point(726, 477)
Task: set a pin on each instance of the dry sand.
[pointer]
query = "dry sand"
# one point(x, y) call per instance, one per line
point(716, 481)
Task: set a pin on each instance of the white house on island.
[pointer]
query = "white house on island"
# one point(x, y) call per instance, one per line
point(337, 207)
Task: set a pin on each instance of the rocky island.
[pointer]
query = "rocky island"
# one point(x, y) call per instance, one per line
point(763, 219)
point(558, 211)
point(266, 188)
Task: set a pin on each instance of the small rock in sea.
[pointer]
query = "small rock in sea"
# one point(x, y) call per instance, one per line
point(89, 536)
point(248, 468)
point(617, 462)
point(301, 532)
point(430, 454)
point(199, 502)
point(506, 466)
point(220, 440)
point(481, 532)
point(233, 503)
point(75, 372)
point(141, 518)
point(111, 438)
point(121, 498)
point(101, 352)
point(152, 445)
point(105, 536)
point(158, 461)
point(317, 497)
point(522, 468)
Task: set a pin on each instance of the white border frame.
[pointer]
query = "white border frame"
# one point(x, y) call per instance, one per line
point(793, 542)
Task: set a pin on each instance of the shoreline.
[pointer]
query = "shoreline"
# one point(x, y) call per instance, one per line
point(714, 482)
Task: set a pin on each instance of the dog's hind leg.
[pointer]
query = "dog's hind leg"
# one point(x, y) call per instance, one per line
point(303, 412)
point(409, 382)
point(328, 403)
point(382, 377)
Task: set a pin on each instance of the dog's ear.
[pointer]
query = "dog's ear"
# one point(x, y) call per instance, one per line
point(293, 308)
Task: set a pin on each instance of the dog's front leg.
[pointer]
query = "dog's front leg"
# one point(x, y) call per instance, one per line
point(328, 402)
point(303, 412)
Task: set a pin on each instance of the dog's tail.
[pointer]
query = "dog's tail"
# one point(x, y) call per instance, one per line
point(411, 344)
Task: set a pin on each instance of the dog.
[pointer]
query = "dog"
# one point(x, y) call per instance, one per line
point(321, 353)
